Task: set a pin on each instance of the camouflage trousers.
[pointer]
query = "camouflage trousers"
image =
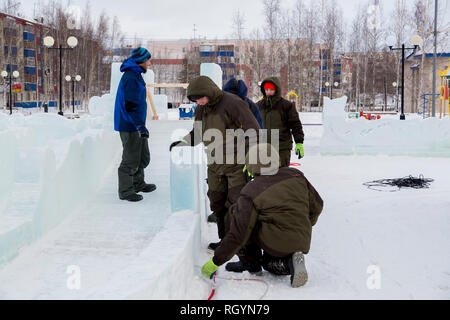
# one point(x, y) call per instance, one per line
point(224, 186)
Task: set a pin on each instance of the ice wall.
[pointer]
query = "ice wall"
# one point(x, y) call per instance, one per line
point(213, 71)
point(7, 163)
point(412, 137)
point(160, 101)
point(49, 165)
point(115, 78)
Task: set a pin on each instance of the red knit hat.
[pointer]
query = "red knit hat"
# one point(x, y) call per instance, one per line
point(269, 85)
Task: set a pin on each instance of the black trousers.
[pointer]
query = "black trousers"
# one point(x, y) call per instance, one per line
point(135, 158)
point(252, 253)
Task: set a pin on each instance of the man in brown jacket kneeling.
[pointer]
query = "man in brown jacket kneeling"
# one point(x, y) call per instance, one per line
point(275, 212)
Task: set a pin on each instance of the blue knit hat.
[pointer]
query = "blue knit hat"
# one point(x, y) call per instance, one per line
point(140, 55)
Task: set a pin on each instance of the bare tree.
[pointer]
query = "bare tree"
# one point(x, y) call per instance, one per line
point(91, 58)
point(356, 47)
point(255, 49)
point(272, 18)
point(11, 7)
point(238, 25)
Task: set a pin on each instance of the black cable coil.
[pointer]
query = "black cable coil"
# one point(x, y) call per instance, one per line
point(406, 182)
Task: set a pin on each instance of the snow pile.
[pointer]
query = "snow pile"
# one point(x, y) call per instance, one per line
point(413, 137)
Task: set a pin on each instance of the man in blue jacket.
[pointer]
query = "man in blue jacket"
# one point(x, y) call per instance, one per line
point(130, 114)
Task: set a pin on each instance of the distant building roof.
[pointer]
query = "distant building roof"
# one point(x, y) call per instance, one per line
point(430, 55)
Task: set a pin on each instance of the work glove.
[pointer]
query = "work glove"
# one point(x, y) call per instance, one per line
point(209, 269)
point(244, 170)
point(178, 144)
point(143, 132)
point(299, 150)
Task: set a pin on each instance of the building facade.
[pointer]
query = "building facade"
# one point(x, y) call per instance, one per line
point(21, 50)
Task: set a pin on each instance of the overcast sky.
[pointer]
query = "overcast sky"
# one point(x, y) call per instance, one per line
point(175, 19)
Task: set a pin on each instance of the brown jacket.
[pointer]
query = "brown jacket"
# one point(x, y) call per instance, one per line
point(277, 211)
point(225, 111)
point(279, 113)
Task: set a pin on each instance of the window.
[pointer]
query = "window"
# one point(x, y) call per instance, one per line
point(29, 53)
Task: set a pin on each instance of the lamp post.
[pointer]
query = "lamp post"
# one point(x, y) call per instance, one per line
point(10, 75)
point(336, 84)
point(49, 42)
point(415, 40)
point(77, 78)
point(327, 84)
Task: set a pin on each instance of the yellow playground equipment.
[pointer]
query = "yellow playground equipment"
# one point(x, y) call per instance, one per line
point(444, 75)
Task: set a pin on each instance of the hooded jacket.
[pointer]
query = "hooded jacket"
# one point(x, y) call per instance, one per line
point(239, 88)
point(276, 211)
point(279, 113)
point(224, 111)
point(130, 111)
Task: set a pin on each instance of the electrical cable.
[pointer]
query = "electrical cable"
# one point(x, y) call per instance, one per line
point(212, 283)
point(250, 279)
point(406, 182)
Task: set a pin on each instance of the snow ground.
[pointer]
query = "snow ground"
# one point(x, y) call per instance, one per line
point(121, 248)
point(404, 234)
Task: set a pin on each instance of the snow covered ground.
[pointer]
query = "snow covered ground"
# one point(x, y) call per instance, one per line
point(366, 244)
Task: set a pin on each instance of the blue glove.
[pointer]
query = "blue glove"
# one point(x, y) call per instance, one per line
point(299, 151)
point(209, 269)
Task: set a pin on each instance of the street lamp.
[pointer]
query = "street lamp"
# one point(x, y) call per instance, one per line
point(5, 75)
point(77, 78)
point(336, 84)
point(72, 42)
point(415, 40)
point(327, 84)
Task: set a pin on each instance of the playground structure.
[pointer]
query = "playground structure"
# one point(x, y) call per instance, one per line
point(294, 100)
point(444, 102)
point(444, 75)
point(160, 85)
point(361, 114)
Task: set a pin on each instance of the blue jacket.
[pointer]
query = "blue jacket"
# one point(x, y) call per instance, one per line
point(239, 88)
point(130, 111)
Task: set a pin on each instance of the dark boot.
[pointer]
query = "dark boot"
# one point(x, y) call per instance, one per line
point(212, 218)
point(299, 276)
point(147, 188)
point(133, 197)
point(243, 266)
point(277, 266)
